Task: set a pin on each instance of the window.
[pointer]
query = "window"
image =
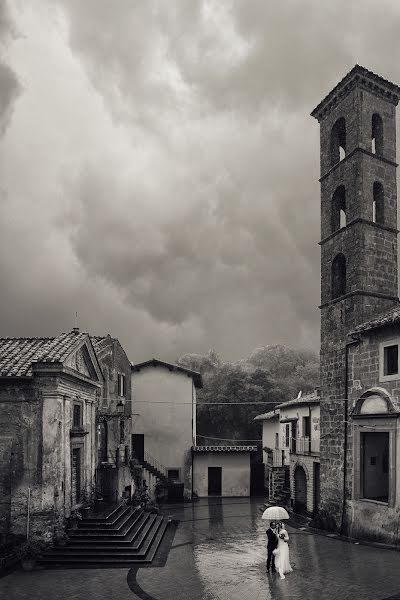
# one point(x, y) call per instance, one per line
point(121, 385)
point(77, 416)
point(76, 478)
point(306, 427)
point(389, 360)
point(375, 466)
point(121, 431)
point(287, 435)
point(173, 474)
point(378, 204)
point(338, 276)
point(338, 215)
point(338, 141)
point(277, 440)
point(377, 134)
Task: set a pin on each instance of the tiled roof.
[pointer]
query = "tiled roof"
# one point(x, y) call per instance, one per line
point(155, 362)
point(269, 415)
point(364, 77)
point(390, 317)
point(225, 448)
point(307, 399)
point(18, 354)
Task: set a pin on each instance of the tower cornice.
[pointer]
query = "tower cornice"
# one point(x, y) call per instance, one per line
point(355, 222)
point(362, 78)
point(355, 151)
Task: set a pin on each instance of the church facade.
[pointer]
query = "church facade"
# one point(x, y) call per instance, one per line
point(360, 311)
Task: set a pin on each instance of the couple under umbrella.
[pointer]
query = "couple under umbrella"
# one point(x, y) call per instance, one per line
point(278, 538)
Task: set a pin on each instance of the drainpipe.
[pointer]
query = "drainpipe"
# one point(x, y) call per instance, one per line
point(346, 418)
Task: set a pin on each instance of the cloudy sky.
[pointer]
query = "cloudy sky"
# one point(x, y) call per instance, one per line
point(158, 165)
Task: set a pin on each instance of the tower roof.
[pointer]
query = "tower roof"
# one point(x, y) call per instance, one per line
point(361, 77)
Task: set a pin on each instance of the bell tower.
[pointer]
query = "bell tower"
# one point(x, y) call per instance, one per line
point(358, 241)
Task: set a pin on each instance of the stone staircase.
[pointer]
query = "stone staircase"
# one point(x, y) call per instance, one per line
point(122, 535)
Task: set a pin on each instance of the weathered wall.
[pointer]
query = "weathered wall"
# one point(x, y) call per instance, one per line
point(235, 472)
point(164, 403)
point(114, 361)
point(20, 458)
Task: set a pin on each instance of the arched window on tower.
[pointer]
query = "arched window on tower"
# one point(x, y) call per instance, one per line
point(338, 214)
point(377, 134)
point(338, 276)
point(378, 207)
point(338, 141)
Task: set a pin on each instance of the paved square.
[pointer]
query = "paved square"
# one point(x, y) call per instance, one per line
point(219, 553)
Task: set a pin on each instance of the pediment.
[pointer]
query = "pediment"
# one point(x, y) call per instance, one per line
point(81, 361)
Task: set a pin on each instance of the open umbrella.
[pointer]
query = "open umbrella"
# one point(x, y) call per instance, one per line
point(275, 513)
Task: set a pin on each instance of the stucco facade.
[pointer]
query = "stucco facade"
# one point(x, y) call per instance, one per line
point(234, 472)
point(164, 399)
point(48, 458)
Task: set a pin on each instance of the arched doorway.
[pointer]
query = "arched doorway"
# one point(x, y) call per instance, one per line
point(300, 490)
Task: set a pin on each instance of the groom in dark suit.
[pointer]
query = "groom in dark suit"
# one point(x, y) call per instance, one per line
point(272, 535)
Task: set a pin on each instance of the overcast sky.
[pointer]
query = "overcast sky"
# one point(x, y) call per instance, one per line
point(159, 167)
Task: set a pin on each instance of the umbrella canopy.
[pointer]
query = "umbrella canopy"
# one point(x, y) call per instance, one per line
point(275, 513)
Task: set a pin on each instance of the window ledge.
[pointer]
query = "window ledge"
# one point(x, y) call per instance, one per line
point(75, 432)
point(371, 501)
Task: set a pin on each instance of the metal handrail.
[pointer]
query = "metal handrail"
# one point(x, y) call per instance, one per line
point(305, 445)
point(155, 463)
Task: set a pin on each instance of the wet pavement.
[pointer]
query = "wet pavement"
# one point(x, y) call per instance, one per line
point(219, 553)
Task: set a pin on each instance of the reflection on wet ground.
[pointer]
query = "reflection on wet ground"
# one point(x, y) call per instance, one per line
point(225, 559)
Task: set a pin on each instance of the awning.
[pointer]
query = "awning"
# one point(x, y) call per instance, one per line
point(289, 420)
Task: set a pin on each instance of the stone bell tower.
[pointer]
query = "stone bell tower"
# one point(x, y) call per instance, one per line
point(358, 242)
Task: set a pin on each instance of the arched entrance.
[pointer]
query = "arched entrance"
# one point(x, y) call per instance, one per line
point(300, 490)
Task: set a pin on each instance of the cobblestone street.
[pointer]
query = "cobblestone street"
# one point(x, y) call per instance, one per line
point(219, 553)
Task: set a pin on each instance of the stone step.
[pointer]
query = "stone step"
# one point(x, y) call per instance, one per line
point(131, 531)
point(144, 554)
point(120, 529)
point(106, 519)
point(133, 542)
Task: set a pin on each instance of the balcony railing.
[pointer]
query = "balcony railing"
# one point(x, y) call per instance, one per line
point(306, 446)
point(275, 458)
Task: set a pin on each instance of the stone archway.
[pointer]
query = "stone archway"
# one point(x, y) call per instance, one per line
point(300, 490)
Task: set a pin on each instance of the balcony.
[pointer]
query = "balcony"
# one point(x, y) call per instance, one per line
point(275, 457)
point(306, 446)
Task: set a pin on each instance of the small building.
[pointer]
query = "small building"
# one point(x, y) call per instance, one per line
point(291, 441)
point(299, 436)
point(49, 392)
point(114, 419)
point(221, 470)
point(164, 424)
point(275, 476)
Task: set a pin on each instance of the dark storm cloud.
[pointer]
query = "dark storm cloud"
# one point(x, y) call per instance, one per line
point(170, 190)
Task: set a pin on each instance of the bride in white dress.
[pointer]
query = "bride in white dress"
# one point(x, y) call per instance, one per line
point(282, 563)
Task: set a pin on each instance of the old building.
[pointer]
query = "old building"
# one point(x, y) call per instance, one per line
point(49, 391)
point(360, 379)
point(221, 470)
point(114, 419)
point(164, 426)
point(291, 444)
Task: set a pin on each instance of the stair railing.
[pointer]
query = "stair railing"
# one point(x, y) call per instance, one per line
point(155, 463)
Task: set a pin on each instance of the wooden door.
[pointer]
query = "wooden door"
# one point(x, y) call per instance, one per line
point(76, 476)
point(138, 446)
point(316, 487)
point(214, 481)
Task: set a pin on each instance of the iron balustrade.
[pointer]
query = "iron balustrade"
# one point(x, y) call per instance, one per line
point(306, 445)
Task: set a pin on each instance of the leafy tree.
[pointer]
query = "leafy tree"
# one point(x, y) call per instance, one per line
point(269, 376)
